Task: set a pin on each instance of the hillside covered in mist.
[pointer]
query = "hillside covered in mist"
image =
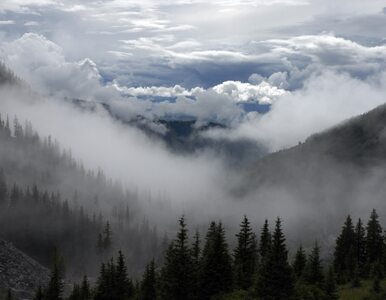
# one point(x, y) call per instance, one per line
point(336, 171)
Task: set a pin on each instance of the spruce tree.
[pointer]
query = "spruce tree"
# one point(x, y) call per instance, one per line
point(55, 286)
point(176, 275)
point(148, 284)
point(360, 248)
point(123, 286)
point(3, 188)
point(196, 261)
point(344, 255)
point(276, 281)
point(107, 236)
point(314, 270)
point(85, 289)
point(300, 262)
point(265, 241)
point(216, 267)
point(75, 294)
point(374, 240)
point(245, 256)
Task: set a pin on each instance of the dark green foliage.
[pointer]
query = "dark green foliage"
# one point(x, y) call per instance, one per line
point(107, 239)
point(148, 289)
point(76, 293)
point(85, 289)
point(276, 281)
point(374, 240)
point(3, 189)
point(360, 249)
point(245, 256)
point(300, 262)
point(216, 267)
point(55, 287)
point(123, 287)
point(196, 260)
point(330, 287)
point(113, 282)
point(265, 241)
point(33, 171)
point(176, 275)
point(314, 270)
point(344, 255)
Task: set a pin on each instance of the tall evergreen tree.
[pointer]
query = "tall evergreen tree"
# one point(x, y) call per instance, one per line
point(196, 261)
point(300, 262)
point(3, 188)
point(123, 287)
point(85, 289)
point(314, 269)
point(107, 236)
point(245, 256)
point(76, 293)
point(374, 239)
point(148, 284)
point(276, 281)
point(265, 241)
point(216, 267)
point(344, 255)
point(176, 275)
point(55, 286)
point(360, 248)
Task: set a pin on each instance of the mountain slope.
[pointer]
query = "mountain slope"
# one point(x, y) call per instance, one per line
point(19, 272)
point(333, 173)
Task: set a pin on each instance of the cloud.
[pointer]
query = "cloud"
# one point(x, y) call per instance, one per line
point(325, 100)
point(263, 93)
point(7, 22)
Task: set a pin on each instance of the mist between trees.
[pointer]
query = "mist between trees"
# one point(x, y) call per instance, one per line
point(258, 267)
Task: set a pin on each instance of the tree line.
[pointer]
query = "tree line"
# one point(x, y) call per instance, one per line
point(49, 200)
point(257, 268)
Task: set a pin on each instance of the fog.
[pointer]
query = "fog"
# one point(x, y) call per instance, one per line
point(202, 185)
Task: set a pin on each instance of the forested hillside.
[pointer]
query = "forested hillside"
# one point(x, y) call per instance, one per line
point(49, 201)
point(259, 267)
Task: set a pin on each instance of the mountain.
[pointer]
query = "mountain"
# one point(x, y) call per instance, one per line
point(339, 171)
point(19, 272)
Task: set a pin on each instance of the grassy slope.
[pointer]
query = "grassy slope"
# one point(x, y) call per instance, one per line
point(346, 292)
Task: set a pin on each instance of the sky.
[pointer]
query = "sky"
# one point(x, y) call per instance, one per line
point(272, 71)
point(297, 61)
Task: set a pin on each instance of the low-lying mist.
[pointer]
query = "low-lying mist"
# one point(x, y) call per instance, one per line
point(201, 185)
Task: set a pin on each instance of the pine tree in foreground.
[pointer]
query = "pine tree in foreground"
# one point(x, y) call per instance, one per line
point(176, 274)
point(276, 281)
point(148, 289)
point(265, 241)
point(216, 268)
point(314, 270)
point(196, 261)
point(360, 248)
point(300, 262)
point(374, 240)
point(55, 286)
point(344, 252)
point(85, 289)
point(245, 256)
